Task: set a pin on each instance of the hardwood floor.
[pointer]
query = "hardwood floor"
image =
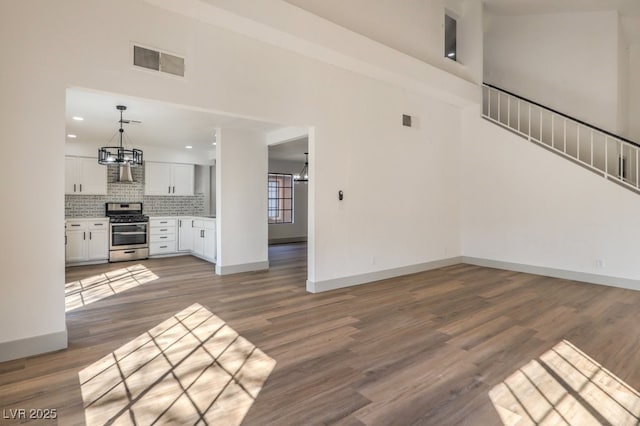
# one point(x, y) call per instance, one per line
point(457, 345)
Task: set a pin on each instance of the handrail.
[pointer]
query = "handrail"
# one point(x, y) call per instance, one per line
point(615, 158)
point(564, 115)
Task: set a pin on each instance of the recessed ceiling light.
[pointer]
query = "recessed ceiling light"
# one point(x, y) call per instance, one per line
point(213, 143)
point(78, 118)
point(71, 136)
point(188, 146)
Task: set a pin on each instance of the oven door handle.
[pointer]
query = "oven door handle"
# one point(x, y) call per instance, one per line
point(130, 233)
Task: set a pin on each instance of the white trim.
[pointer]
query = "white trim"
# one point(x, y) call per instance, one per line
point(333, 284)
point(555, 273)
point(243, 267)
point(30, 346)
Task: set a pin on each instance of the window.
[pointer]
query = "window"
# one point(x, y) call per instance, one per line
point(450, 37)
point(280, 204)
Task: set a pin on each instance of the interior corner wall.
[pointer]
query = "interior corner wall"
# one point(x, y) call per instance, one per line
point(296, 231)
point(524, 205)
point(634, 93)
point(624, 75)
point(566, 61)
point(202, 182)
point(241, 214)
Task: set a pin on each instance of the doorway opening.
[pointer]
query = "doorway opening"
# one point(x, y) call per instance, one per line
point(288, 201)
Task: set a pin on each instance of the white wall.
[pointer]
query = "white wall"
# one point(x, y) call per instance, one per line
point(412, 27)
point(296, 231)
point(357, 133)
point(634, 92)
point(202, 185)
point(524, 205)
point(241, 200)
point(624, 75)
point(567, 61)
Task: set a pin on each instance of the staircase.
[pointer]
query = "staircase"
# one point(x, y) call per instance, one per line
point(611, 156)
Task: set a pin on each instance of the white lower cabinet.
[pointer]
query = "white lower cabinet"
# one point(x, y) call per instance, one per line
point(204, 238)
point(162, 236)
point(182, 235)
point(185, 234)
point(210, 240)
point(98, 246)
point(86, 240)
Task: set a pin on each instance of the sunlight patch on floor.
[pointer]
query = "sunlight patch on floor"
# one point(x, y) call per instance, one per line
point(191, 368)
point(92, 289)
point(564, 386)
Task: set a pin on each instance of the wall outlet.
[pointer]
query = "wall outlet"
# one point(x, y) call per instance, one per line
point(599, 263)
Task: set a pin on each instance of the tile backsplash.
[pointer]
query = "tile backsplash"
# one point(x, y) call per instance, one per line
point(153, 205)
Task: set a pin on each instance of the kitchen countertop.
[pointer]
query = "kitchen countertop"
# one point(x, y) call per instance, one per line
point(151, 216)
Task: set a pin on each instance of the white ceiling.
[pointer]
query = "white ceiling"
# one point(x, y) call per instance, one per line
point(163, 124)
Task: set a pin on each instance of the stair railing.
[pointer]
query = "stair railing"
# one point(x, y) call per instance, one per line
point(612, 156)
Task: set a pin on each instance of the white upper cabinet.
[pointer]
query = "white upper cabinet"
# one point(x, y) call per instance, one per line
point(168, 179)
point(84, 176)
point(157, 178)
point(183, 181)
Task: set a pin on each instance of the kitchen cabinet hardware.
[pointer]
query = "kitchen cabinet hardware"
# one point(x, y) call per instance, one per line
point(163, 230)
point(74, 187)
point(84, 235)
point(130, 251)
point(340, 195)
point(89, 234)
point(75, 224)
point(163, 246)
point(163, 238)
point(80, 187)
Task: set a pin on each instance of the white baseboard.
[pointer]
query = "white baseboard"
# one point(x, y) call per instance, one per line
point(244, 267)
point(555, 273)
point(33, 346)
point(333, 284)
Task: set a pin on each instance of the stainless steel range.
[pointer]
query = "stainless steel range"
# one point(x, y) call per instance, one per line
point(128, 232)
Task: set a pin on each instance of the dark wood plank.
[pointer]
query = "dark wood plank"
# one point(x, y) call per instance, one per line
point(426, 348)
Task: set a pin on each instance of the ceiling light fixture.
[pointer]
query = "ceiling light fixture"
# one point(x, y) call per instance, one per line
point(71, 136)
point(188, 146)
point(78, 118)
point(303, 176)
point(118, 154)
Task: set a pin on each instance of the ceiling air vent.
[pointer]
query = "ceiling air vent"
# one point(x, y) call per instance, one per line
point(158, 61)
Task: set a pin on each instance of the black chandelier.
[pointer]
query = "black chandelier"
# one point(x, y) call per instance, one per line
point(117, 154)
point(303, 176)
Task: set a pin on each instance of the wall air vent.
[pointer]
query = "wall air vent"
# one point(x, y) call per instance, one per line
point(406, 120)
point(158, 61)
